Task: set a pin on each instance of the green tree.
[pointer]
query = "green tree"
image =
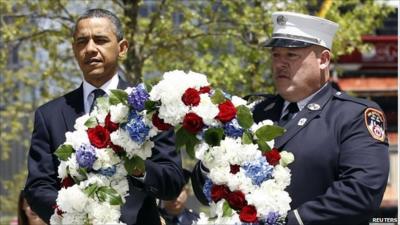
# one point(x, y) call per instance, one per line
point(220, 38)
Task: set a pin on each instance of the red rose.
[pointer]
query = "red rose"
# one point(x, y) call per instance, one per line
point(204, 90)
point(110, 126)
point(227, 111)
point(159, 123)
point(67, 182)
point(99, 136)
point(58, 210)
point(191, 97)
point(192, 123)
point(117, 149)
point(219, 192)
point(236, 200)
point(235, 168)
point(273, 156)
point(248, 214)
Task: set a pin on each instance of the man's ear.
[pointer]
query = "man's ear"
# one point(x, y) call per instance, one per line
point(324, 59)
point(123, 48)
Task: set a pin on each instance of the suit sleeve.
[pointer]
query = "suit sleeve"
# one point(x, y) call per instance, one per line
point(42, 182)
point(164, 174)
point(358, 190)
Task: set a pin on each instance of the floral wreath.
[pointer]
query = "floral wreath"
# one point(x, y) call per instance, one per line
point(247, 176)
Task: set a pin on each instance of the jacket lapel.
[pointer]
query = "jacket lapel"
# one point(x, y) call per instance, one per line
point(305, 116)
point(268, 109)
point(74, 107)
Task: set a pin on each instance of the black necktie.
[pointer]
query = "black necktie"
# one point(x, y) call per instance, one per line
point(97, 93)
point(292, 109)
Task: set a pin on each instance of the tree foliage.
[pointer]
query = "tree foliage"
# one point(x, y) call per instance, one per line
point(220, 38)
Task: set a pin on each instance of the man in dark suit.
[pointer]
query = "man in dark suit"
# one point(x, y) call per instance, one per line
point(175, 212)
point(339, 142)
point(98, 43)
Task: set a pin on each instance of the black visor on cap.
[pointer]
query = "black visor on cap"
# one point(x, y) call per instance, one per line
point(286, 43)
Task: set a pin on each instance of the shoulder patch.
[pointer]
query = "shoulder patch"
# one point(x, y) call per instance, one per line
point(375, 123)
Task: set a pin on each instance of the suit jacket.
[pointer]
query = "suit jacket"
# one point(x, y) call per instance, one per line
point(164, 177)
point(340, 171)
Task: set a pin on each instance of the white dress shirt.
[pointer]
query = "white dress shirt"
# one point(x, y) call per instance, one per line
point(300, 104)
point(88, 88)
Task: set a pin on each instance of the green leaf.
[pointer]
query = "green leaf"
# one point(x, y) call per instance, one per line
point(269, 132)
point(118, 96)
point(83, 172)
point(186, 140)
point(247, 138)
point(91, 190)
point(64, 152)
point(213, 136)
point(226, 210)
point(263, 146)
point(244, 117)
point(151, 106)
point(218, 97)
point(91, 122)
point(133, 164)
point(109, 194)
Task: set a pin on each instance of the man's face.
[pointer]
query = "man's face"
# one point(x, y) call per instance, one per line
point(296, 72)
point(175, 207)
point(97, 50)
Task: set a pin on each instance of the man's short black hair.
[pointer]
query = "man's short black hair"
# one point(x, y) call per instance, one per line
point(103, 13)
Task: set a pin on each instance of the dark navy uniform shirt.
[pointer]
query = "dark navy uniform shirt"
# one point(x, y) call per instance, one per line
point(341, 157)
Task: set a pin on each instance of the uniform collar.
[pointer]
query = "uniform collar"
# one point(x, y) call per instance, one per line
point(302, 103)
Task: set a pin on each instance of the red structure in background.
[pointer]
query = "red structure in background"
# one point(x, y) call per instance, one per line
point(374, 75)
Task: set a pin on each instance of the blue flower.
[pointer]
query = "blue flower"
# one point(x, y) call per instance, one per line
point(258, 171)
point(136, 128)
point(273, 218)
point(85, 156)
point(109, 171)
point(207, 189)
point(233, 129)
point(138, 97)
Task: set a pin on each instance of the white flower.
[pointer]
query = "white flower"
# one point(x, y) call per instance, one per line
point(170, 91)
point(72, 199)
point(237, 101)
point(73, 218)
point(286, 158)
point(122, 138)
point(119, 113)
point(62, 170)
point(282, 176)
point(100, 114)
point(206, 110)
point(105, 158)
point(80, 122)
point(73, 167)
point(76, 138)
point(103, 213)
point(201, 150)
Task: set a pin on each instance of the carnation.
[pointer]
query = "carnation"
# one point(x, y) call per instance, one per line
point(76, 138)
point(80, 122)
point(206, 110)
point(119, 113)
point(72, 199)
point(286, 158)
point(105, 158)
point(103, 213)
